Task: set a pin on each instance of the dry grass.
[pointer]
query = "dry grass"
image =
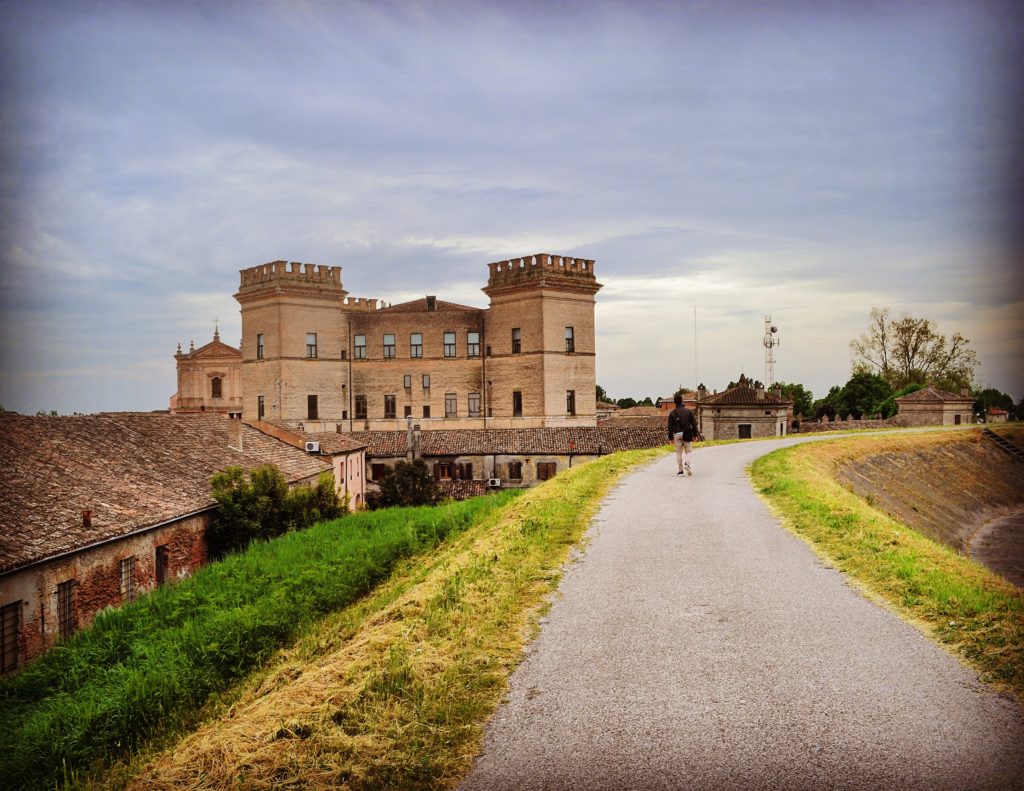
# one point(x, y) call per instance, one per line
point(394, 691)
point(977, 614)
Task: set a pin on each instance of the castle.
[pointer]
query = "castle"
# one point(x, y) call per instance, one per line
point(314, 358)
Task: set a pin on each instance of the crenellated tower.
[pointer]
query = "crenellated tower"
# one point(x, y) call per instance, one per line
point(540, 341)
point(293, 339)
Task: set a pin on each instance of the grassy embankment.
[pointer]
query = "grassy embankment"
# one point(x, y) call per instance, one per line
point(393, 691)
point(151, 665)
point(973, 611)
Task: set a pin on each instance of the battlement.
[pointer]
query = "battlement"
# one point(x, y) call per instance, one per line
point(540, 265)
point(318, 276)
point(362, 304)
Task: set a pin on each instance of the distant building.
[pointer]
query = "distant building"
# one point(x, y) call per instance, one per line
point(315, 359)
point(101, 508)
point(743, 412)
point(209, 379)
point(996, 415)
point(933, 407)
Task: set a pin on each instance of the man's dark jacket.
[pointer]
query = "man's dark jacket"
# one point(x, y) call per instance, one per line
point(682, 419)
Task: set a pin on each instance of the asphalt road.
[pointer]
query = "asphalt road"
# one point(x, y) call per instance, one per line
point(695, 644)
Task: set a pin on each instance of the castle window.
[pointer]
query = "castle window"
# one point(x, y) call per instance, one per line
point(416, 344)
point(546, 470)
point(426, 381)
point(570, 341)
point(360, 407)
point(474, 404)
point(127, 570)
point(473, 344)
point(359, 344)
point(570, 402)
point(389, 406)
point(449, 344)
point(215, 387)
point(163, 563)
point(444, 471)
point(10, 627)
point(261, 407)
point(451, 405)
point(426, 410)
point(517, 403)
point(311, 344)
point(407, 411)
point(515, 470)
point(744, 430)
point(66, 608)
point(312, 410)
point(517, 340)
point(389, 346)
point(259, 346)
point(407, 381)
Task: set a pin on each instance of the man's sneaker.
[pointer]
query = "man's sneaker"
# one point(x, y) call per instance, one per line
point(687, 468)
point(681, 472)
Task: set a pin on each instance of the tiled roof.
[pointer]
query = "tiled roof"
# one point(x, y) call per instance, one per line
point(640, 411)
point(586, 440)
point(658, 421)
point(741, 395)
point(420, 306)
point(131, 470)
point(932, 394)
point(333, 442)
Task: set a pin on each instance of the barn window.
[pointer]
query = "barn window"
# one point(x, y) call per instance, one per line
point(546, 470)
point(10, 619)
point(66, 608)
point(473, 344)
point(163, 563)
point(474, 404)
point(451, 405)
point(389, 406)
point(389, 345)
point(359, 345)
point(515, 470)
point(449, 344)
point(416, 344)
point(128, 578)
point(744, 430)
point(360, 407)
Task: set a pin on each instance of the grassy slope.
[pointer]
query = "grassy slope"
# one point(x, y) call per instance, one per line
point(394, 691)
point(971, 610)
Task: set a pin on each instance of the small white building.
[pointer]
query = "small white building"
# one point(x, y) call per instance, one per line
point(743, 412)
point(933, 407)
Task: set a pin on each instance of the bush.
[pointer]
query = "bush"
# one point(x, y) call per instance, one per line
point(410, 483)
point(261, 506)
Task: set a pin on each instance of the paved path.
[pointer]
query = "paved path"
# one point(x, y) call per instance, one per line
point(698, 645)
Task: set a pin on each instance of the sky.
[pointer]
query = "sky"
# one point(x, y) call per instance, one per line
point(721, 161)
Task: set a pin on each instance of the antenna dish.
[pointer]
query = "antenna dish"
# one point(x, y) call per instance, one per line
point(775, 329)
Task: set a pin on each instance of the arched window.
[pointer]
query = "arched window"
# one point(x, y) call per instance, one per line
point(215, 386)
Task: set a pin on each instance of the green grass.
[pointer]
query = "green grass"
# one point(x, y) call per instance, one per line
point(141, 668)
point(973, 611)
point(394, 691)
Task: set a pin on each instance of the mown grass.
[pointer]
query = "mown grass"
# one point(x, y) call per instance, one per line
point(973, 611)
point(393, 692)
point(148, 665)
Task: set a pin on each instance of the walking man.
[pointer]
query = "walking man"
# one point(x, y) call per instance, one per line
point(682, 426)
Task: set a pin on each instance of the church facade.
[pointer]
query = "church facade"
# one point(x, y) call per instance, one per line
point(316, 359)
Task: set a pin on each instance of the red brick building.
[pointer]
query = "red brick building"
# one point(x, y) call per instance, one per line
point(100, 508)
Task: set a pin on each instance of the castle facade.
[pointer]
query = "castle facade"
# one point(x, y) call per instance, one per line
point(317, 359)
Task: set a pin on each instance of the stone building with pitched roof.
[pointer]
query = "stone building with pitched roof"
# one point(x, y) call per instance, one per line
point(100, 508)
point(930, 406)
point(743, 412)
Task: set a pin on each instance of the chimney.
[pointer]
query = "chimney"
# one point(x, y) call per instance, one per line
point(964, 391)
point(235, 432)
point(86, 518)
point(431, 303)
point(702, 392)
point(760, 394)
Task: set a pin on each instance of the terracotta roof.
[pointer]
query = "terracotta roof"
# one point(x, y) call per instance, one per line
point(332, 442)
point(742, 395)
point(640, 411)
point(932, 394)
point(607, 405)
point(586, 440)
point(658, 421)
point(420, 306)
point(131, 470)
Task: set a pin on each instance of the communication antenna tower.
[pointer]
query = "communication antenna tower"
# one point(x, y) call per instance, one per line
point(770, 342)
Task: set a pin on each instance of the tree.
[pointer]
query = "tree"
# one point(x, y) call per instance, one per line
point(991, 397)
point(626, 403)
point(260, 506)
point(863, 395)
point(826, 407)
point(602, 395)
point(911, 350)
point(410, 483)
point(889, 407)
point(802, 398)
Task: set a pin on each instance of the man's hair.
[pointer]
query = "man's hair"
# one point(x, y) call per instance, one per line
point(678, 400)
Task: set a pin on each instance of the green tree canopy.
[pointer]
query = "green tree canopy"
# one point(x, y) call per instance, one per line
point(910, 350)
point(410, 483)
point(862, 396)
point(602, 395)
point(802, 398)
point(991, 397)
point(827, 406)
